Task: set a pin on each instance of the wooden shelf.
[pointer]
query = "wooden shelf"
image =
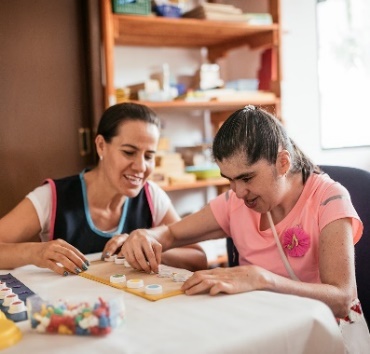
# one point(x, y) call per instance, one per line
point(218, 182)
point(263, 99)
point(217, 36)
point(184, 32)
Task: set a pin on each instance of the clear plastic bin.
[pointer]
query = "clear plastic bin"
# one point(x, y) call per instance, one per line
point(93, 317)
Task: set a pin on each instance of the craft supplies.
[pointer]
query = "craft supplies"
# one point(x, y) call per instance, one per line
point(9, 299)
point(95, 318)
point(153, 289)
point(17, 306)
point(119, 260)
point(111, 258)
point(164, 273)
point(135, 283)
point(118, 279)
point(180, 277)
point(102, 272)
point(4, 292)
point(13, 294)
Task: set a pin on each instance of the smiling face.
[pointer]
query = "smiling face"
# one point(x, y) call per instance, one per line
point(261, 185)
point(129, 159)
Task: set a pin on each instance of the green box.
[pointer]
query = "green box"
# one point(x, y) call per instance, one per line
point(138, 7)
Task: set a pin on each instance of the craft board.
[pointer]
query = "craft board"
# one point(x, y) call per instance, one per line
point(18, 288)
point(101, 271)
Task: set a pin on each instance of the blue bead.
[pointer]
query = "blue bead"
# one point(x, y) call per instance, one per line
point(104, 322)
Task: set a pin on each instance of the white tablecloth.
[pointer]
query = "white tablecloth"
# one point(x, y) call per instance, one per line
point(255, 322)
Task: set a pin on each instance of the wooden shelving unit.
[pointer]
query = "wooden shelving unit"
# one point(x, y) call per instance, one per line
point(264, 99)
point(217, 182)
point(159, 31)
point(217, 36)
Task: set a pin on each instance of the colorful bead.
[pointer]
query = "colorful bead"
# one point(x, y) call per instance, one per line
point(83, 319)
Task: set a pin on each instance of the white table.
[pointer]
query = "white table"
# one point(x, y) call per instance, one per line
point(255, 322)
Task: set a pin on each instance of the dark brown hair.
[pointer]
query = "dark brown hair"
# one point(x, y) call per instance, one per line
point(121, 112)
point(259, 135)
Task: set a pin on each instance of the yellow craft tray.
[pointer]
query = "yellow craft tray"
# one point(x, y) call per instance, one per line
point(101, 271)
point(10, 334)
point(204, 172)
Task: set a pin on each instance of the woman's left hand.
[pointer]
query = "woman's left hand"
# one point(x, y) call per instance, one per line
point(226, 280)
point(113, 246)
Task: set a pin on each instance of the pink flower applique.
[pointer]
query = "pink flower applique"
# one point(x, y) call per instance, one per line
point(296, 241)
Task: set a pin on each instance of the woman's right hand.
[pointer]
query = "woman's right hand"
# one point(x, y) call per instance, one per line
point(59, 256)
point(142, 250)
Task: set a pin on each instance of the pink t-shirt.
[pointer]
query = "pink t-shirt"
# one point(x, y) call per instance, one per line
point(321, 202)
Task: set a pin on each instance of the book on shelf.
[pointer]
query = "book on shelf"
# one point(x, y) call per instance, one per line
point(229, 95)
point(268, 71)
point(221, 8)
point(248, 96)
point(223, 12)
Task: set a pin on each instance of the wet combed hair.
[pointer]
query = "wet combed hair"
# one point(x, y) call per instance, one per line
point(122, 112)
point(259, 135)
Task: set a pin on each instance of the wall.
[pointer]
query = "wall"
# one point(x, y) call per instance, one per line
point(181, 62)
point(300, 96)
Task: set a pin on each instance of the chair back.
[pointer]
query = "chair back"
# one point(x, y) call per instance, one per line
point(357, 182)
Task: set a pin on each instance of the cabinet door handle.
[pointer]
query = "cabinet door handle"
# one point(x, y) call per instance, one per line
point(84, 141)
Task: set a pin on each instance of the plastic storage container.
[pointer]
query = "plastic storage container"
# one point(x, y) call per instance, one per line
point(204, 171)
point(168, 10)
point(92, 317)
point(135, 7)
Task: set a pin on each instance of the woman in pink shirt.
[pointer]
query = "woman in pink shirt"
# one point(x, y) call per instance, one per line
point(294, 227)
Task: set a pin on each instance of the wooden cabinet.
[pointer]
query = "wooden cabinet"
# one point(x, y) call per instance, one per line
point(44, 95)
point(218, 37)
